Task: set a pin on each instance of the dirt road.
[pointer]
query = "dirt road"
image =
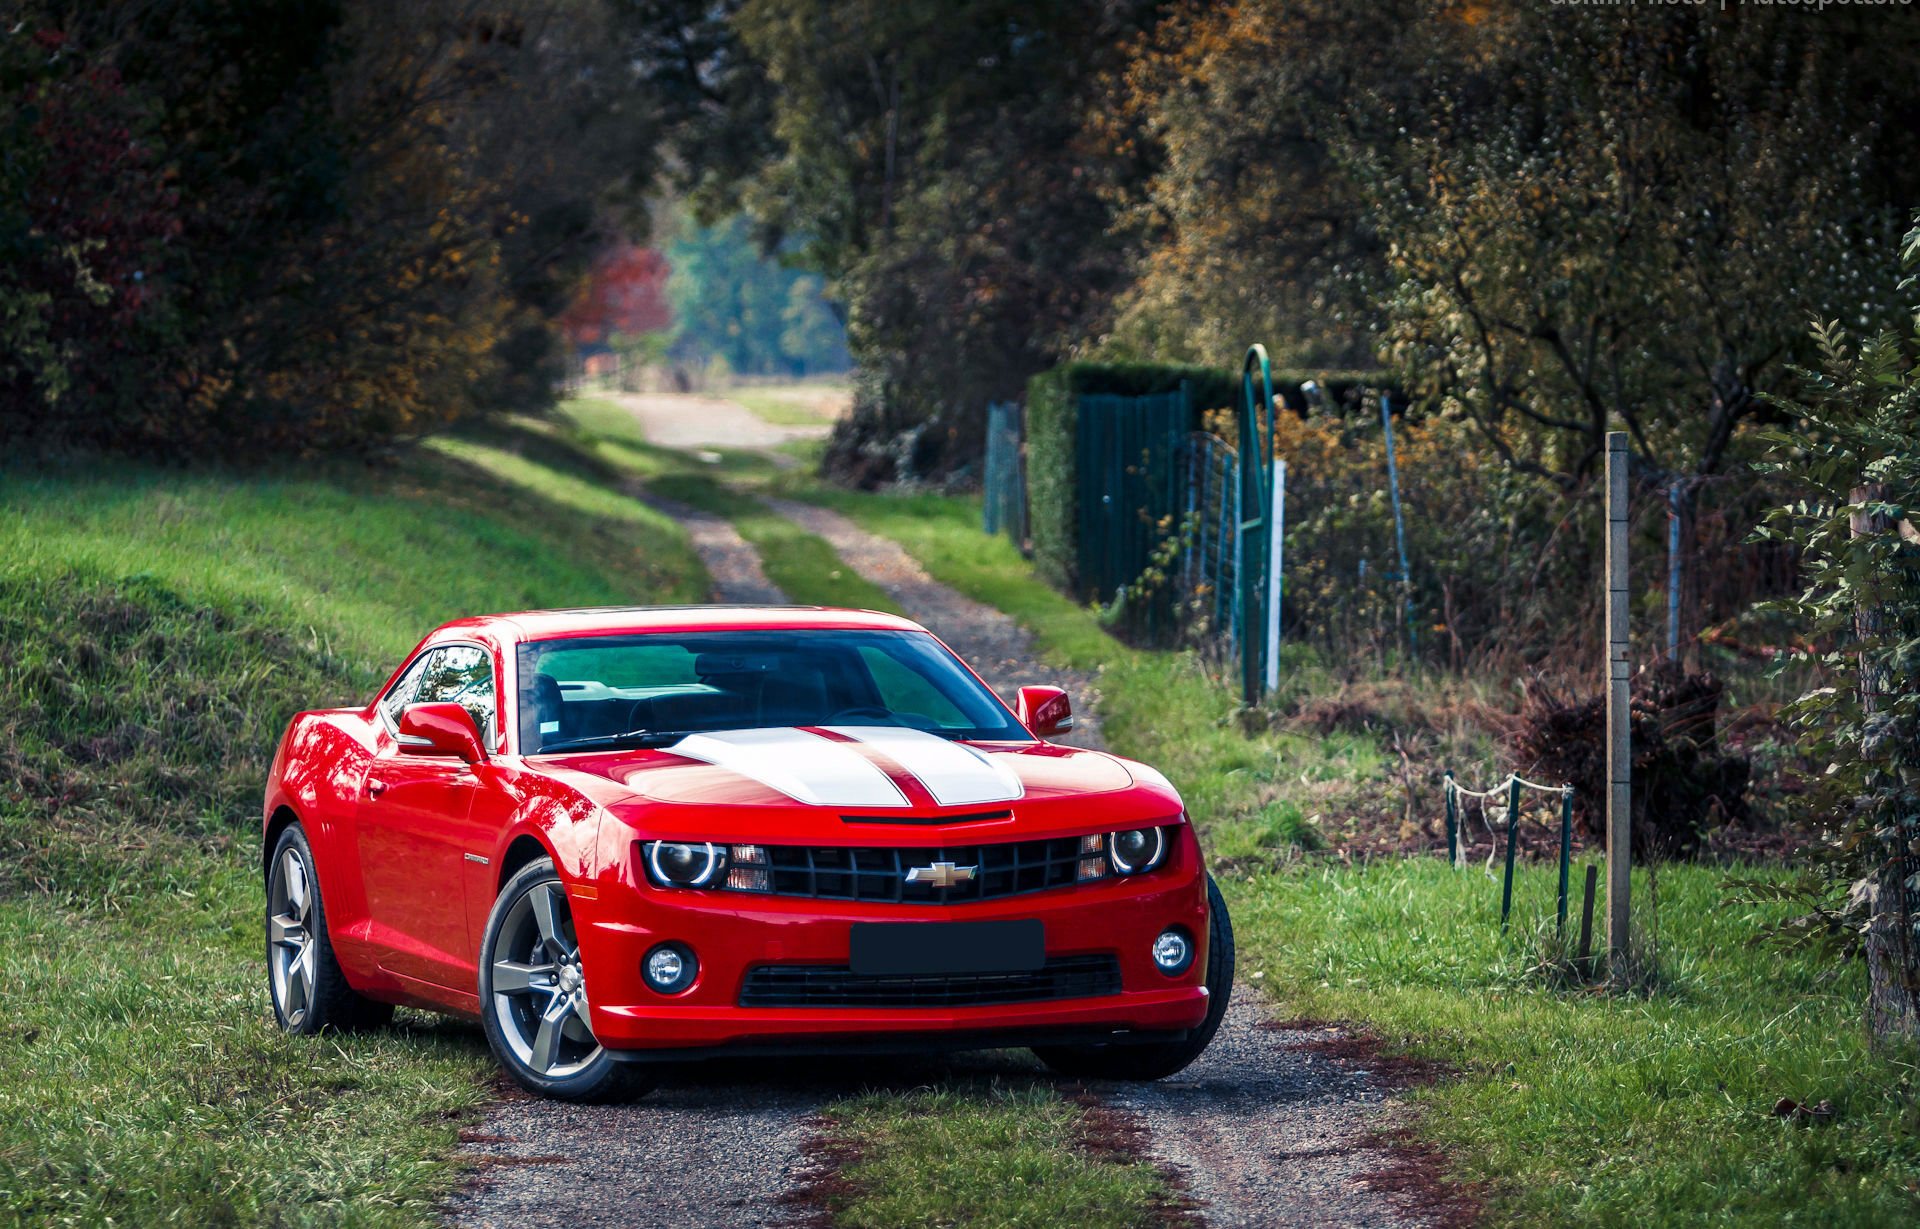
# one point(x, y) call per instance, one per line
point(674, 420)
point(1259, 1132)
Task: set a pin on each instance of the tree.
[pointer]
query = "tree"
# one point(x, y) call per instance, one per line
point(270, 226)
point(929, 163)
point(1609, 243)
point(1853, 446)
point(1241, 224)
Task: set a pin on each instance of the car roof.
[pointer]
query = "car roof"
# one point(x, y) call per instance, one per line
point(529, 625)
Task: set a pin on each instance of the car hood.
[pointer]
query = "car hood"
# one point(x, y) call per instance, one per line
point(820, 779)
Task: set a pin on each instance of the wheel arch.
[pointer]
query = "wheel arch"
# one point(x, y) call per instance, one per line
point(282, 819)
point(523, 849)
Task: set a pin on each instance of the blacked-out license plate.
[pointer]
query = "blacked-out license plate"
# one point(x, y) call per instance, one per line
point(1018, 946)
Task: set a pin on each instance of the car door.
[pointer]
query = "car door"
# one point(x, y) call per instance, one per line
point(416, 826)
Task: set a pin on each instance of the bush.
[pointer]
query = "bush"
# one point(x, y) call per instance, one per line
point(1682, 785)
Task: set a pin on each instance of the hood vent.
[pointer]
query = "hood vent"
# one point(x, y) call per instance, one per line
point(976, 817)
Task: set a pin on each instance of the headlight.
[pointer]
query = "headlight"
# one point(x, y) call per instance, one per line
point(1137, 849)
point(685, 864)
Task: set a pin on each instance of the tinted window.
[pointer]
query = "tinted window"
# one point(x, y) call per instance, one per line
point(662, 683)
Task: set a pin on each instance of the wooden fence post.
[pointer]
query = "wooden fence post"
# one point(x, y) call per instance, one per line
point(1619, 704)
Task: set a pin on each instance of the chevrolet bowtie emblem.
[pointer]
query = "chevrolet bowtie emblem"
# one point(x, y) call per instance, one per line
point(941, 874)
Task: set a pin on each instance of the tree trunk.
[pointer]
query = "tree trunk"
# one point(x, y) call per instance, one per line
point(1893, 980)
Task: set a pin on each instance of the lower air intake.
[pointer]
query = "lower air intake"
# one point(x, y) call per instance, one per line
point(821, 985)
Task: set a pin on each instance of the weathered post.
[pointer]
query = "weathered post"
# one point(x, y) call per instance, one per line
point(1276, 541)
point(1584, 953)
point(1619, 701)
point(1566, 853)
point(1250, 553)
point(1513, 836)
point(1453, 823)
point(1399, 526)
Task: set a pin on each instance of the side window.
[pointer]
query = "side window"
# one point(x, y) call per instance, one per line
point(905, 690)
point(402, 693)
point(461, 674)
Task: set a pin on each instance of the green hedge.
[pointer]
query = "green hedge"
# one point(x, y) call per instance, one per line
point(1052, 420)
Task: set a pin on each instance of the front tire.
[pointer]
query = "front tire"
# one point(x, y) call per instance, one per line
point(1154, 1060)
point(533, 996)
point(310, 994)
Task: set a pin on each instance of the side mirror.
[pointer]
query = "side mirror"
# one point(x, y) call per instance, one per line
point(440, 729)
point(1045, 711)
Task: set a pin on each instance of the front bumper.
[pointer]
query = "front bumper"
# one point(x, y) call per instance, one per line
point(619, 920)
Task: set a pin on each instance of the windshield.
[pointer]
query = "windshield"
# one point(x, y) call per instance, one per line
point(651, 688)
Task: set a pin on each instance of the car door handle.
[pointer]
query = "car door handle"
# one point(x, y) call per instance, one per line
point(375, 787)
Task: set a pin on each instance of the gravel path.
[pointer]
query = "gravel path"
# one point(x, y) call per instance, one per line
point(733, 565)
point(1264, 1135)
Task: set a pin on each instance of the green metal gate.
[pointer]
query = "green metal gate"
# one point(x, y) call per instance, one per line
point(1128, 454)
point(1142, 478)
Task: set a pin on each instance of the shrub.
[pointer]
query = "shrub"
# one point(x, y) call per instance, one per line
point(1852, 449)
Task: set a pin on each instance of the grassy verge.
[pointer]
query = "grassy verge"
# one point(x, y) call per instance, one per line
point(1570, 1106)
point(161, 627)
point(1585, 1108)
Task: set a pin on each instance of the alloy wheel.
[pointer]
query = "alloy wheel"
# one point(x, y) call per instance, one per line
point(294, 958)
point(539, 986)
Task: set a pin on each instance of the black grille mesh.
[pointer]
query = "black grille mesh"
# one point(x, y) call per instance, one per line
point(880, 874)
point(817, 985)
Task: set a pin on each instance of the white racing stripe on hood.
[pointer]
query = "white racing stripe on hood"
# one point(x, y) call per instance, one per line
point(803, 766)
point(955, 774)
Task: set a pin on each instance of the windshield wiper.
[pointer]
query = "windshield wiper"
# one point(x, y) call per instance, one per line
point(635, 738)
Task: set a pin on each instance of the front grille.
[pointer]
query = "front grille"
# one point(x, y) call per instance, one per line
point(880, 874)
point(823, 985)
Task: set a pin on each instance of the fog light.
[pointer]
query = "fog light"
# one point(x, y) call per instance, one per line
point(670, 968)
point(1172, 952)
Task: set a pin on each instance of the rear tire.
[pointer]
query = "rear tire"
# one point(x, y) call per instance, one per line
point(310, 994)
point(1154, 1060)
point(533, 997)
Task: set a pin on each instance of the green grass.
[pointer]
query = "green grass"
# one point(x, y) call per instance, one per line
point(1006, 1157)
point(1570, 1106)
point(160, 628)
point(1588, 1108)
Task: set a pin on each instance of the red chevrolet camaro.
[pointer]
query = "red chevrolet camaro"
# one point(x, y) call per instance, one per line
point(631, 835)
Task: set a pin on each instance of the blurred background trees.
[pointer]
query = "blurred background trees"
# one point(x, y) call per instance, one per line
point(301, 225)
point(319, 224)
